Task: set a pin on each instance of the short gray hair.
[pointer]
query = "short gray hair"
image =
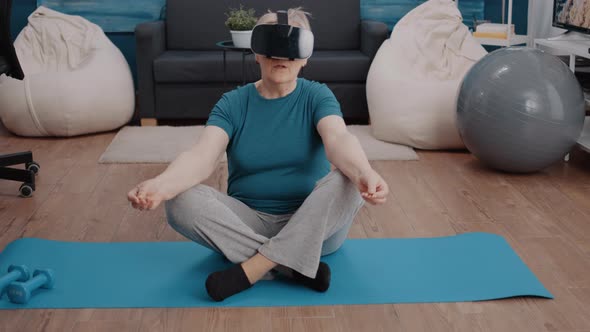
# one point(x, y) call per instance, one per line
point(297, 17)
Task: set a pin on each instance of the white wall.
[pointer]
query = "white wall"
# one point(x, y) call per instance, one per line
point(539, 19)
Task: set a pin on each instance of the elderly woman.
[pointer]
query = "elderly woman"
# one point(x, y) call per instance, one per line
point(284, 208)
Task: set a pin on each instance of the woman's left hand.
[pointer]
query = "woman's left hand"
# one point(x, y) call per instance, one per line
point(372, 187)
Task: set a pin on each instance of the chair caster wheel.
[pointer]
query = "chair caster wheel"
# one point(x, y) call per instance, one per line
point(33, 166)
point(26, 190)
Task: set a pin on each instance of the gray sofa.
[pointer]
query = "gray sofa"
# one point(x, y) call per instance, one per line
point(180, 68)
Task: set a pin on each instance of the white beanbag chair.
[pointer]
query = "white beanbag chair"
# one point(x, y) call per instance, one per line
point(413, 82)
point(76, 81)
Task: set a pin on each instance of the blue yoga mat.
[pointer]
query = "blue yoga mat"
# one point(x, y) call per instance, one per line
point(466, 267)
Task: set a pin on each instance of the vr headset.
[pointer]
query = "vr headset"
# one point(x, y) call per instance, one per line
point(282, 41)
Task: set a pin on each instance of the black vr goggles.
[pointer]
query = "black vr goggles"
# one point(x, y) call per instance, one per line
point(282, 41)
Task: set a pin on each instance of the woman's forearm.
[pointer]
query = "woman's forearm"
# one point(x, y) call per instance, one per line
point(186, 171)
point(346, 153)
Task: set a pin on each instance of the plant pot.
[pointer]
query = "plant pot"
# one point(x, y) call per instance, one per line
point(241, 38)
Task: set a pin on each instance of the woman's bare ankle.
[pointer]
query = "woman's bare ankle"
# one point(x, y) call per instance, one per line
point(256, 267)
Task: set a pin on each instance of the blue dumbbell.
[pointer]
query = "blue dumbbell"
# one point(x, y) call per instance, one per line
point(15, 273)
point(20, 292)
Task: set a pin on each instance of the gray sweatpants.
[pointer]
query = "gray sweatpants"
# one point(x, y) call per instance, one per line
point(228, 226)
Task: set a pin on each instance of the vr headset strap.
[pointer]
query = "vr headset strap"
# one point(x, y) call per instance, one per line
point(282, 17)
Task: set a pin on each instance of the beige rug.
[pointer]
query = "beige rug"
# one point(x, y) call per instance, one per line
point(162, 144)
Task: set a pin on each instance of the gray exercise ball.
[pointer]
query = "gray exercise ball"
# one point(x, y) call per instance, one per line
point(520, 109)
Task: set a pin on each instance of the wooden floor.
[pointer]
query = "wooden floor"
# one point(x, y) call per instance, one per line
point(545, 217)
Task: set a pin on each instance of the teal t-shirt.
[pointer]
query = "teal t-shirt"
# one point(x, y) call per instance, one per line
point(275, 154)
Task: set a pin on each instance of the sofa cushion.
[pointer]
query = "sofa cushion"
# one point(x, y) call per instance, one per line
point(195, 101)
point(203, 67)
point(207, 66)
point(4, 65)
point(198, 25)
point(337, 66)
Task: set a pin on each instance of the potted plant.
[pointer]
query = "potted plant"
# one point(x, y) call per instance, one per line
point(240, 23)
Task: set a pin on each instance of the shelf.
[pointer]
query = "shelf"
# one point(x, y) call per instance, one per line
point(575, 47)
point(515, 40)
point(584, 140)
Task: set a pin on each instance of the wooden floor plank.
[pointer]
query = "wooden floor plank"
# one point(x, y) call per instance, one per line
point(460, 197)
point(560, 256)
point(376, 318)
point(462, 316)
point(305, 324)
point(58, 218)
point(384, 221)
point(16, 215)
point(514, 314)
point(422, 317)
point(567, 216)
point(10, 319)
point(107, 326)
point(582, 295)
point(226, 319)
point(55, 158)
point(503, 201)
point(162, 320)
point(421, 208)
point(302, 312)
point(565, 313)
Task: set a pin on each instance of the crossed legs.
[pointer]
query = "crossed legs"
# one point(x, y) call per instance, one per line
point(258, 242)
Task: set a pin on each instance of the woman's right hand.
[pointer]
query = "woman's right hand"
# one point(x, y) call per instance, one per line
point(148, 194)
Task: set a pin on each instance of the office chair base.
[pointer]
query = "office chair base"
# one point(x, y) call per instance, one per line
point(26, 176)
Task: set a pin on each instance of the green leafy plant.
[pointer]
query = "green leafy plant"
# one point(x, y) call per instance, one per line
point(241, 19)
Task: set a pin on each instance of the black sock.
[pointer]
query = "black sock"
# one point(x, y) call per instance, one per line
point(320, 283)
point(223, 284)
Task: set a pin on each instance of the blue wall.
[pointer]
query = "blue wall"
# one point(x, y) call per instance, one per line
point(126, 41)
point(391, 11)
point(493, 11)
